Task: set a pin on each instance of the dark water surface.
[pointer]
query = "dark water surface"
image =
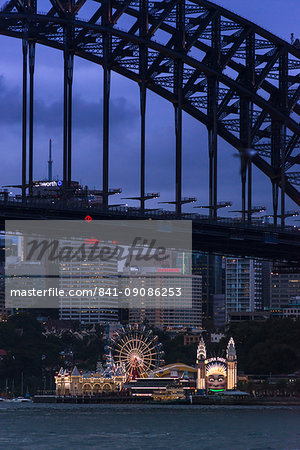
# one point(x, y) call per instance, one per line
point(33, 426)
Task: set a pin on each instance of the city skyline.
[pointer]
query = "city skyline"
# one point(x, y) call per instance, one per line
point(146, 326)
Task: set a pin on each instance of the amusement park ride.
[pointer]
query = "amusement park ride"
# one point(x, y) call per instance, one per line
point(137, 349)
point(134, 352)
point(134, 357)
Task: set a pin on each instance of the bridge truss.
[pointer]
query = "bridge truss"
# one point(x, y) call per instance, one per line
point(239, 80)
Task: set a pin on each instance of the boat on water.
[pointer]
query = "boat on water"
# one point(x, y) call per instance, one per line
point(17, 400)
point(22, 400)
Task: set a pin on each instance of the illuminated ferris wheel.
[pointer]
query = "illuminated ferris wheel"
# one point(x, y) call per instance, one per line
point(136, 349)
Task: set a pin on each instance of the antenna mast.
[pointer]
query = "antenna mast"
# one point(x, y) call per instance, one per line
point(50, 162)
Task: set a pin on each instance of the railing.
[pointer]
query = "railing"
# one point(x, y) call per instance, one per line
point(46, 392)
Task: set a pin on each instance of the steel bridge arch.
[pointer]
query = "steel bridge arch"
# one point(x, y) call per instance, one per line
point(249, 112)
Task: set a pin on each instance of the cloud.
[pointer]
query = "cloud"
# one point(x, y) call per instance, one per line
point(86, 114)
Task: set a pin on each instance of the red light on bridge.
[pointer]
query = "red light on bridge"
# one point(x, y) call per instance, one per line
point(91, 241)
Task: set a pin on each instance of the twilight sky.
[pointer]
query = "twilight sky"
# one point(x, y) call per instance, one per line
point(279, 16)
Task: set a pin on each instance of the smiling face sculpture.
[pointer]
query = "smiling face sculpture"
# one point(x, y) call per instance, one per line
point(216, 377)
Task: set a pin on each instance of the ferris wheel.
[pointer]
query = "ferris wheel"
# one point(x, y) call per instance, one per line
point(136, 349)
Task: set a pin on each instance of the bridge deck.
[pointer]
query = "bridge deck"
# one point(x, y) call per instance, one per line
point(222, 236)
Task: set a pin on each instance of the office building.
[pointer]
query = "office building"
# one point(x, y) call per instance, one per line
point(212, 270)
point(166, 311)
point(162, 312)
point(85, 276)
point(285, 284)
point(219, 316)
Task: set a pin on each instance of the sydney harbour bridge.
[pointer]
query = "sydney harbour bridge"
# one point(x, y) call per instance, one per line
point(239, 80)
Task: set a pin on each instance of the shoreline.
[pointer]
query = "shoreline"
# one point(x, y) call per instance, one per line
point(195, 400)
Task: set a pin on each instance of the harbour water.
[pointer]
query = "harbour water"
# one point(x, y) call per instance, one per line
point(44, 426)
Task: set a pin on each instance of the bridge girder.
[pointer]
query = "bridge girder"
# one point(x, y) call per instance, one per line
point(250, 66)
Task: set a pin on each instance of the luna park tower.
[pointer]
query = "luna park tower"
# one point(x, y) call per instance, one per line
point(230, 363)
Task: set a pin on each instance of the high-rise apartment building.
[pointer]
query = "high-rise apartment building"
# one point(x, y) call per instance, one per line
point(243, 285)
point(266, 284)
